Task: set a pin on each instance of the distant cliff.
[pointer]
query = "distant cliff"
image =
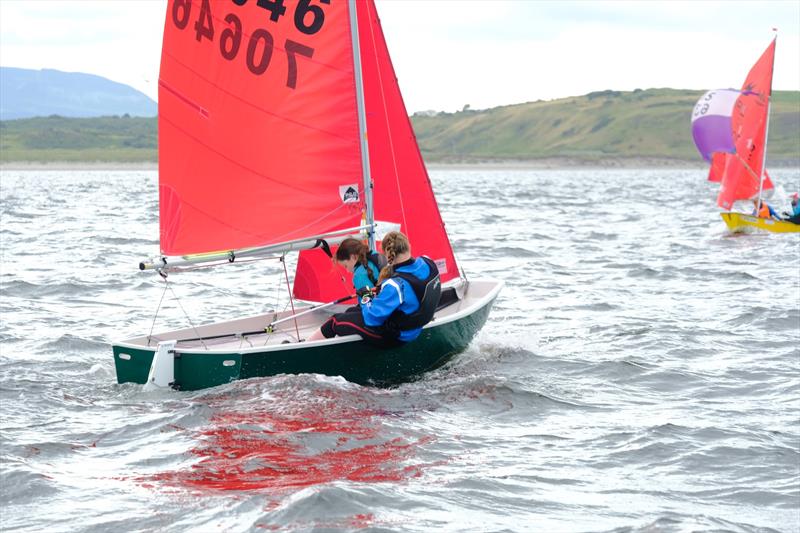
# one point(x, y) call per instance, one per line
point(28, 93)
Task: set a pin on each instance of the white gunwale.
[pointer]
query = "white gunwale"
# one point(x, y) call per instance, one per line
point(484, 292)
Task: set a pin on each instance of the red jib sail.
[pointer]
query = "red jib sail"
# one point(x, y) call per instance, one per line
point(402, 190)
point(717, 168)
point(258, 127)
point(743, 170)
point(737, 182)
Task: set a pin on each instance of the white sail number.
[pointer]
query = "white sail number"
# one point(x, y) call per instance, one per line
point(261, 43)
point(701, 108)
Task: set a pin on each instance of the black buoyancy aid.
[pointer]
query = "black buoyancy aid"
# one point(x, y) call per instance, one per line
point(379, 261)
point(428, 291)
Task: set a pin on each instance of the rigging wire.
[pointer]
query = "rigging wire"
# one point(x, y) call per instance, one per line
point(185, 314)
point(291, 299)
point(155, 316)
point(460, 265)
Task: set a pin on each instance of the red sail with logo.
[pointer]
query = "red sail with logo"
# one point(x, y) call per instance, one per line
point(258, 125)
point(402, 191)
point(741, 179)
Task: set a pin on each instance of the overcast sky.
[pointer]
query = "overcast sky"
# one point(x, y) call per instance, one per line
point(448, 53)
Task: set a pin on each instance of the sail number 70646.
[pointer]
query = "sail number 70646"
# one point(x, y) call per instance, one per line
point(260, 42)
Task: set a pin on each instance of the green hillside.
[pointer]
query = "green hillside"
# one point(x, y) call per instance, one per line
point(608, 124)
point(109, 139)
point(651, 124)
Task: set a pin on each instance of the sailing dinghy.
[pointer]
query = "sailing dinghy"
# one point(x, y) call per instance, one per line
point(264, 109)
point(730, 129)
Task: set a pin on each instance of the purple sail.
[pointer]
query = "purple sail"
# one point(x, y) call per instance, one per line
point(711, 122)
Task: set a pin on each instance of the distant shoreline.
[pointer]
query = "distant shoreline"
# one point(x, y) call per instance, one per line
point(540, 164)
point(79, 165)
point(555, 163)
point(522, 164)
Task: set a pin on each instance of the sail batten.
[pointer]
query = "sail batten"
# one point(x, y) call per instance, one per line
point(258, 136)
point(247, 103)
point(205, 146)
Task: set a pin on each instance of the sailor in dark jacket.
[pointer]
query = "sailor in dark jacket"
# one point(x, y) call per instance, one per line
point(397, 305)
point(409, 294)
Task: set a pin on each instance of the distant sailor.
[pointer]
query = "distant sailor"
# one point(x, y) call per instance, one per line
point(407, 299)
point(794, 215)
point(762, 209)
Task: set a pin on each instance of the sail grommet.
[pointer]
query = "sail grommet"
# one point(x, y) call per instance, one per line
point(231, 257)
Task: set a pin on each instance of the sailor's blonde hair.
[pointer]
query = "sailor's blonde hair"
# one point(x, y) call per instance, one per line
point(394, 243)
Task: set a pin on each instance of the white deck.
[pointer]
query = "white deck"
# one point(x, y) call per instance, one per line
point(475, 293)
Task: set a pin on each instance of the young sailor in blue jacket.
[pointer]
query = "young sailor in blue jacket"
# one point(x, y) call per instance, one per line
point(356, 257)
point(408, 296)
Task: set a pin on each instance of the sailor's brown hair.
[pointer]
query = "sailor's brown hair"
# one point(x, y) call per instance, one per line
point(353, 247)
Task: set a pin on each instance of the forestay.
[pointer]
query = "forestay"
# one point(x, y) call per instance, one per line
point(402, 190)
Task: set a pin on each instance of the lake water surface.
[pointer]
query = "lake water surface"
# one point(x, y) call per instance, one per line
point(640, 372)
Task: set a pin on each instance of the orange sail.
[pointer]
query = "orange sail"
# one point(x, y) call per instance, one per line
point(258, 124)
point(401, 186)
point(741, 179)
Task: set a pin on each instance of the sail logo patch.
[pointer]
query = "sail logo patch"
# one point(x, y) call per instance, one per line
point(441, 264)
point(349, 194)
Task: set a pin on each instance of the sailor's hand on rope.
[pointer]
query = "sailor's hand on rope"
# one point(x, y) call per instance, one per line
point(366, 294)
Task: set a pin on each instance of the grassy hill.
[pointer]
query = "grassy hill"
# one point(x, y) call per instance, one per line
point(109, 139)
point(651, 124)
point(641, 124)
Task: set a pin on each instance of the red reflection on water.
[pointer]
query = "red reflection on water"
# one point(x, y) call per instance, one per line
point(310, 443)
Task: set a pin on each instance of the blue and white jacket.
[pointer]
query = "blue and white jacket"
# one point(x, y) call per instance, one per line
point(396, 293)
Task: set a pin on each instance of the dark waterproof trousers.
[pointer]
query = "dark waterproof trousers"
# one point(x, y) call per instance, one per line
point(794, 220)
point(352, 323)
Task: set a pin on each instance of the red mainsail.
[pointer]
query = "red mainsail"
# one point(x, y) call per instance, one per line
point(743, 170)
point(402, 191)
point(258, 125)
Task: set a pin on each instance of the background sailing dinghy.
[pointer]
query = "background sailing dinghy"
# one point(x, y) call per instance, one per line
point(264, 110)
point(730, 129)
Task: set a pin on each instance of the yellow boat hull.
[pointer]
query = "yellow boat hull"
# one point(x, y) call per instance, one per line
point(738, 222)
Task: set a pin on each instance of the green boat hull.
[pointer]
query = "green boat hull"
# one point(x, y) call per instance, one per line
point(354, 360)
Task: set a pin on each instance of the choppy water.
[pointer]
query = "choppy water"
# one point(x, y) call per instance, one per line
point(640, 373)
